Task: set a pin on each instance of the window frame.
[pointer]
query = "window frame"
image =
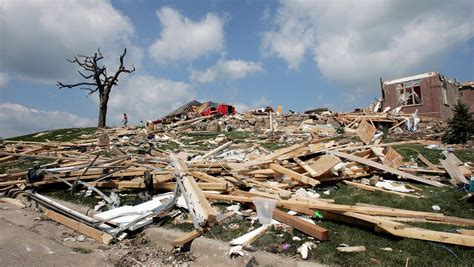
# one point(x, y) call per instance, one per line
point(410, 88)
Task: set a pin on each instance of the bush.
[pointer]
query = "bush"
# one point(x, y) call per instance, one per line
point(460, 126)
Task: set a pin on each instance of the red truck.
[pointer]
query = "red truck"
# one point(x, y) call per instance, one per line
point(221, 109)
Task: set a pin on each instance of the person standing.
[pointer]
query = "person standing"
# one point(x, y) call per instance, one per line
point(125, 119)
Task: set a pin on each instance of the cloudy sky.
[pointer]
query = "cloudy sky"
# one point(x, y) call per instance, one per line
point(298, 54)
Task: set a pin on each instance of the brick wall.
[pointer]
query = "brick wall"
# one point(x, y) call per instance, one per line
point(431, 97)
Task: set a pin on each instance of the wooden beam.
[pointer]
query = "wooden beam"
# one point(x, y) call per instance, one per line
point(374, 188)
point(270, 157)
point(301, 178)
point(453, 171)
point(428, 163)
point(379, 211)
point(306, 167)
point(80, 227)
point(311, 229)
point(206, 177)
point(385, 168)
point(404, 230)
point(215, 151)
point(186, 238)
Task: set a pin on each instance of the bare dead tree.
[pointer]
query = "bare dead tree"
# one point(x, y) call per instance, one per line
point(97, 80)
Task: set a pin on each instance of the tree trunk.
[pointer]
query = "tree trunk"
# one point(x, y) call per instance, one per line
point(103, 100)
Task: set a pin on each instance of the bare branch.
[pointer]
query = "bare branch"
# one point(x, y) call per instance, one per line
point(91, 91)
point(85, 77)
point(61, 85)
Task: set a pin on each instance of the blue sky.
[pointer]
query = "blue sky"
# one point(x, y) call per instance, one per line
point(298, 54)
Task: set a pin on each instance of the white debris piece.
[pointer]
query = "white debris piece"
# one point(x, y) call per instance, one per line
point(306, 193)
point(236, 250)
point(304, 249)
point(235, 208)
point(393, 186)
point(436, 207)
point(292, 213)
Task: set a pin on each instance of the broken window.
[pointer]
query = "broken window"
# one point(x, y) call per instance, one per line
point(409, 93)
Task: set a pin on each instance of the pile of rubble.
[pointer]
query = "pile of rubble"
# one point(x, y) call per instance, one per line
point(277, 185)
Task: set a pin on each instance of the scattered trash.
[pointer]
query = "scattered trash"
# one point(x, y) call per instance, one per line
point(349, 249)
point(236, 250)
point(305, 248)
point(265, 208)
point(436, 207)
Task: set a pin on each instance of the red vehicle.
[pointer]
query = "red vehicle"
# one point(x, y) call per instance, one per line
point(221, 109)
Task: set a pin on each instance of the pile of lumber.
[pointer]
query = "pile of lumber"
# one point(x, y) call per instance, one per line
point(202, 178)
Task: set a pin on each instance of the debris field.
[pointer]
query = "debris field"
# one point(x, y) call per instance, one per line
point(208, 181)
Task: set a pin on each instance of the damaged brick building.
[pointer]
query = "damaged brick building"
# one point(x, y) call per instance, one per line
point(433, 94)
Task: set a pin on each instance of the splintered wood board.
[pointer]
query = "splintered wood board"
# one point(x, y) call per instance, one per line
point(392, 158)
point(297, 176)
point(80, 227)
point(366, 131)
point(453, 171)
point(324, 164)
point(379, 166)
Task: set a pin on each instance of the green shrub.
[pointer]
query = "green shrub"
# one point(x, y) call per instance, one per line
point(460, 126)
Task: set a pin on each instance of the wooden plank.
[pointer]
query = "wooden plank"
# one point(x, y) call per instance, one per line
point(451, 157)
point(385, 168)
point(366, 131)
point(270, 157)
point(374, 188)
point(301, 225)
point(404, 230)
point(268, 172)
point(324, 164)
point(465, 171)
point(301, 178)
point(306, 167)
point(206, 177)
point(186, 238)
point(392, 158)
point(13, 201)
point(170, 186)
point(428, 163)
point(215, 151)
point(197, 202)
point(379, 211)
point(456, 176)
point(80, 227)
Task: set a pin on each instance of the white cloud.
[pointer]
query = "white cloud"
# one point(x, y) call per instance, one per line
point(355, 42)
point(37, 36)
point(16, 120)
point(4, 78)
point(225, 69)
point(145, 97)
point(257, 103)
point(261, 102)
point(184, 39)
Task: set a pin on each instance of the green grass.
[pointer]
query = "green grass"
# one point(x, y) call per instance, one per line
point(61, 135)
point(63, 193)
point(238, 135)
point(272, 146)
point(410, 151)
point(24, 164)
